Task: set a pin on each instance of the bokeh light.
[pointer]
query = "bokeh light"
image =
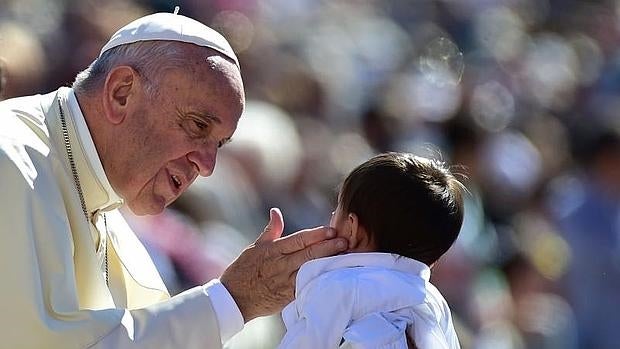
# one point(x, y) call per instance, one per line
point(501, 32)
point(492, 106)
point(551, 70)
point(441, 62)
point(236, 27)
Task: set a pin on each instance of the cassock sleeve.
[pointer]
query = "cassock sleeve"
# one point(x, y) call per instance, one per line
point(176, 323)
point(39, 307)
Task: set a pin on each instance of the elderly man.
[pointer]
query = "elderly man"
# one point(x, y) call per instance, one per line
point(138, 126)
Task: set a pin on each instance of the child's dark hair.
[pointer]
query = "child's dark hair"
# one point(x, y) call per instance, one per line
point(411, 206)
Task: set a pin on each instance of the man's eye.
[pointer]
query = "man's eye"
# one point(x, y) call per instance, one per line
point(200, 125)
point(196, 127)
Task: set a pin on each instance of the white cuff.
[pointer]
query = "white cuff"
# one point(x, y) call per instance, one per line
point(226, 310)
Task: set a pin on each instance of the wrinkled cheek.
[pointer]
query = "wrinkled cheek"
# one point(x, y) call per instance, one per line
point(152, 197)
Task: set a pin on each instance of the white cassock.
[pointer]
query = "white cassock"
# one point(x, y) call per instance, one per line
point(54, 292)
point(369, 301)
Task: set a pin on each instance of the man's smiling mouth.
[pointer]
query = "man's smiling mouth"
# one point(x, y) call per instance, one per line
point(177, 182)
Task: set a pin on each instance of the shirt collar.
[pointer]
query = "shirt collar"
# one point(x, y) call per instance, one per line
point(98, 192)
point(310, 270)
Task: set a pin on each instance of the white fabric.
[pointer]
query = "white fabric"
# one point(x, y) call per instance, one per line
point(54, 295)
point(92, 157)
point(111, 199)
point(367, 300)
point(170, 27)
point(229, 316)
point(181, 322)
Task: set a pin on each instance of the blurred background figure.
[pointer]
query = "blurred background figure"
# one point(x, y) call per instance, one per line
point(525, 95)
point(586, 204)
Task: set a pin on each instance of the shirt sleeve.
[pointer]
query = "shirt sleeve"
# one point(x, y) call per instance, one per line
point(226, 310)
point(315, 320)
point(150, 327)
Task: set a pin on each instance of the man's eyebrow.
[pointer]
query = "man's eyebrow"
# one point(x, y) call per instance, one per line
point(206, 116)
point(209, 117)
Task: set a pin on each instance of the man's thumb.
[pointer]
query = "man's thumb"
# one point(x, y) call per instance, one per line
point(274, 228)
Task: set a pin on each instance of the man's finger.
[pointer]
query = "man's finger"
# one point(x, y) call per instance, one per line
point(322, 249)
point(304, 238)
point(274, 228)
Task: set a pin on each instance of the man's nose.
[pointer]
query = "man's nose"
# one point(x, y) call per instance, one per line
point(204, 160)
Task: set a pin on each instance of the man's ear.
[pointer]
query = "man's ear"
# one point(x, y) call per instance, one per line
point(120, 86)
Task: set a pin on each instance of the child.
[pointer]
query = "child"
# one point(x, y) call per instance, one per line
point(400, 213)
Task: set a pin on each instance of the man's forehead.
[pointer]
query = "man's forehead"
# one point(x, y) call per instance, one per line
point(225, 119)
point(210, 94)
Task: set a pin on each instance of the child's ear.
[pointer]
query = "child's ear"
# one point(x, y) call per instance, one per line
point(358, 236)
point(353, 230)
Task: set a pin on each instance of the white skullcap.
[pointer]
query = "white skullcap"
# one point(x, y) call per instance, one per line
point(170, 27)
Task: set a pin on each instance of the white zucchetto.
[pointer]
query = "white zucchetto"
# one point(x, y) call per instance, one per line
point(170, 27)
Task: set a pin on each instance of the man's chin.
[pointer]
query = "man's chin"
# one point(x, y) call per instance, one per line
point(152, 208)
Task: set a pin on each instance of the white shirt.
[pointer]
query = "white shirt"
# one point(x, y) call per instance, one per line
point(367, 300)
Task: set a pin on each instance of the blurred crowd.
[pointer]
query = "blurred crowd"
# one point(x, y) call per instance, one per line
point(520, 96)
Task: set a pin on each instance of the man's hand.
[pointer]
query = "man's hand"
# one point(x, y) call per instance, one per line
point(262, 278)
